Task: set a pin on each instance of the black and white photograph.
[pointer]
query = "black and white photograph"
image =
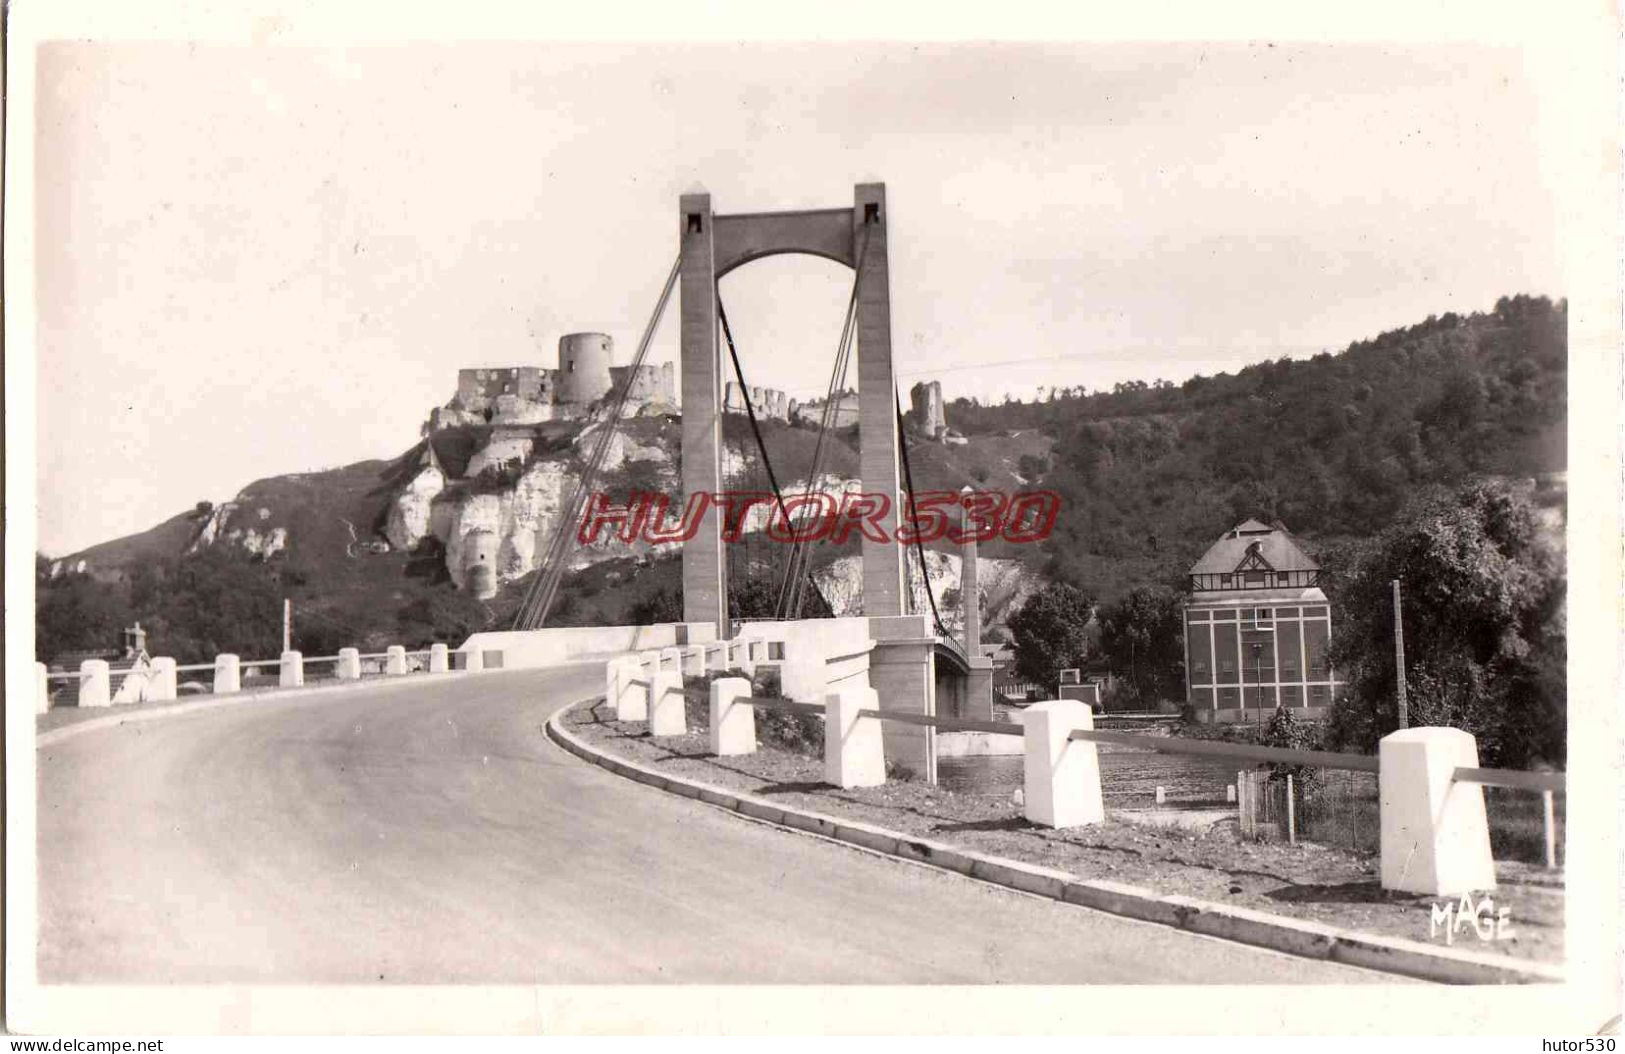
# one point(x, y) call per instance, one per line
point(1046, 526)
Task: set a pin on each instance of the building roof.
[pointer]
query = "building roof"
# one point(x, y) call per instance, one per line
point(1275, 547)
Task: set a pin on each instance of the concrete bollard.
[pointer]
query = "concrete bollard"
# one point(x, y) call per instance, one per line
point(1435, 836)
point(95, 684)
point(439, 658)
point(228, 674)
point(162, 684)
point(632, 688)
point(733, 719)
point(694, 660)
point(1061, 775)
point(854, 754)
point(666, 711)
point(614, 670)
point(716, 657)
point(349, 664)
point(395, 661)
point(739, 657)
point(42, 688)
point(291, 674)
point(473, 659)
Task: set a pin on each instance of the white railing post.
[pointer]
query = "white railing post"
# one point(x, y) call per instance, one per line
point(733, 718)
point(666, 712)
point(228, 674)
point(395, 661)
point(162, 686)
point(854, 751)
point(42, 688)
point(716, 657)
point(439, 658)
point(615, 674)
point(739, 657)
point(95, 683)
point(291, 673)
point(349, 664)
point(694, 660)
point(1549, 809)
point(1435, 835)
point(1061, 775)
point(632, 702)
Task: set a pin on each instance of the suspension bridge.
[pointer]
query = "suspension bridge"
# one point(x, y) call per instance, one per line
point(920, 667)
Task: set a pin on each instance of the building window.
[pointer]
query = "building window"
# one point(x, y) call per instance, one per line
point(1283, 579)
point(1225, 580)
point(570, 367)
point(1226, 666)
point(1255, 578)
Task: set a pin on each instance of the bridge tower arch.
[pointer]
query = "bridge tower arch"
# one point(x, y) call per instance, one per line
point(712, 245)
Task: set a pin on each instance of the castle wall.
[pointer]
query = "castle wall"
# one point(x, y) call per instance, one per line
point(925, 401)
point(846, 411)
point(770, 404)
point(479, 386)
point(480, 563)
point(585, 360)
point(652, 384)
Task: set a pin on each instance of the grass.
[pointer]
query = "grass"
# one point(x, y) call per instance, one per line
point(1343, 809)
point(801, 734)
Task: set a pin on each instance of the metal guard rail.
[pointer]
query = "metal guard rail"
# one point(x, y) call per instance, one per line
point(1555, 782)
point(1539, 781)
point(947, 724)
point(1208, 748)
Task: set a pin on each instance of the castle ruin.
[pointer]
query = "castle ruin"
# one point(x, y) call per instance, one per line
point(525, 395)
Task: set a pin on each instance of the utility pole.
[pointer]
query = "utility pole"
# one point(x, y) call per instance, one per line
point(1399, 660)
point(287, 624)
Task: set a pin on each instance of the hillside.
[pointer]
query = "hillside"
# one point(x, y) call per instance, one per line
point(1332, 446)
point(1149, 474)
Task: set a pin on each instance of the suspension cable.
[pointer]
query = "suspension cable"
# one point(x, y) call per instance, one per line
point(761, 446)
point(790, 594)
point(533, 612)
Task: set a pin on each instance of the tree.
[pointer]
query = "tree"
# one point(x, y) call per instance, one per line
point(663, 605)
point(1142, 635)
point(1483, 594)
point(1049, 632)
point(75, 612)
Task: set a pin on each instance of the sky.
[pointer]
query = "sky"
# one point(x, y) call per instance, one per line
point(255, 260)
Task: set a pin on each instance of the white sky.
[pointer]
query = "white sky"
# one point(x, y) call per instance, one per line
point(259, 260)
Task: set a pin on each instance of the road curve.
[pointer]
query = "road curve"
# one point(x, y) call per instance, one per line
point(430, 833)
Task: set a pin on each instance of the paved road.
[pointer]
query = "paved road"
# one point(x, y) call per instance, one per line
point(428, 832)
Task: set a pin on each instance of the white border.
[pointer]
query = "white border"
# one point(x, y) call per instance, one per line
point(1571, 51)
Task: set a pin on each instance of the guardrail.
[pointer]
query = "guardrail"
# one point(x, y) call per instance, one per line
point(158, 679)
point(1434, 838)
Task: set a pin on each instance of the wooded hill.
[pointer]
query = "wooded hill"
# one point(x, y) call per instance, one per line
point(1332, 446)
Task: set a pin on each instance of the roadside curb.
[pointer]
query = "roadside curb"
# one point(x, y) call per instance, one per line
point(211, 702)
point(1245, 926)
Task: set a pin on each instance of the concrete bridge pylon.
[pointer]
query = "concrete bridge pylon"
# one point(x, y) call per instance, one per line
point(712, 245)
